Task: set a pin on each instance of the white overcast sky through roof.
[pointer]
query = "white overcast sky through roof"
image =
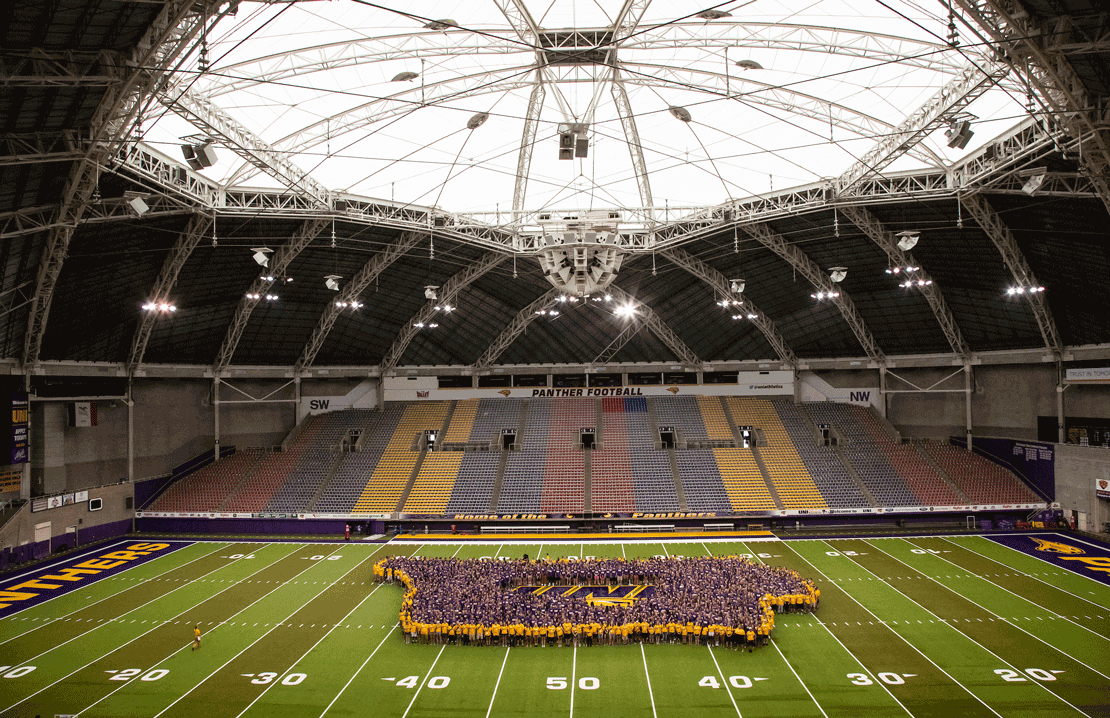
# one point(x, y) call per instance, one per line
point(313, 79)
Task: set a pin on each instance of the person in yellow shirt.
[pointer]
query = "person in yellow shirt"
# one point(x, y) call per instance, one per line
point(196, 637)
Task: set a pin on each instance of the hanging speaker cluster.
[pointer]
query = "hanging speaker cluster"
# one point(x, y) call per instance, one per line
point(581, 264)
point(573, 140)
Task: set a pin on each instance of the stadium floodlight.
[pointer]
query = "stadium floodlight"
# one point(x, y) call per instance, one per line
point(626, 310)
point(405, 76)
point(837, 274)
point(444, 24)
point(713, 14)
point(821, 296)
point(737, 285)
point(261, 255)
point(748, 65)
point(908, 239)
point(160, 307)
point(430, 292)
point(332, 282)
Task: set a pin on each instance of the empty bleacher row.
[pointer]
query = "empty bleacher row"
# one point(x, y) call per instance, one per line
point(787, 466)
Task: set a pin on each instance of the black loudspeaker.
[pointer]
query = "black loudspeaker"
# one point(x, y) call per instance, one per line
point(129, 502)
point(581, 147)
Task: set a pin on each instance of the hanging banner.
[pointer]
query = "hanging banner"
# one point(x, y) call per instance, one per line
point(20, 411)
point(1102, 488)
point(1093, 375)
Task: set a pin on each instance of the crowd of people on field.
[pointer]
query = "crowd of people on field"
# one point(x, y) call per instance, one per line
point(718, 600)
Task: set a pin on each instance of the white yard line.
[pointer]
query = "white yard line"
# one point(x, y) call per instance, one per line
point(954, 628)
point(1022, 553)
point(495, 685)
point(333, 700)
point(78, 588)
point(136, 608)
point(1023, 598)
point(800, 681)
point(328, 633)
point(724, 681)
point(155, 626)
point(325, 588)
point(423, 682)
point(573, 677)
point(874, 679)
point(648, 675)
point(124, 685)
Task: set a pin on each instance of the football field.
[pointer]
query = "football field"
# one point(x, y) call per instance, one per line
point(932, 627)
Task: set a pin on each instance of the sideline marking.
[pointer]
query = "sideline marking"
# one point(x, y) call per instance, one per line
point(952, 625)
point(113, 650)
point(1029, 600)
point(853, 656)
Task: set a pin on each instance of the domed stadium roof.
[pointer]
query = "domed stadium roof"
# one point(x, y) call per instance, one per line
point(519, 156)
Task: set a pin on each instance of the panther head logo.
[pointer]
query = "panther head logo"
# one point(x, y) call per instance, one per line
point(1056, 547)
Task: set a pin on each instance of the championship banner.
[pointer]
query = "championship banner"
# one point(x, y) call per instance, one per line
point(1083, 557)
point(20, 411)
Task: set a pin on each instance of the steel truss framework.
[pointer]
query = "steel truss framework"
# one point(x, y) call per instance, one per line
point(169, 38)
point(719, 35)
point(182, 249)
point(447, 293)
point(721, 288)
point(40, 147)
point(800, 261)
point(884, 238)
point(1052, 81)
point(367, 274)
point(279, 263)
point(1007, 246)
point(515, 328)
point(645, 317)
point(42, 68)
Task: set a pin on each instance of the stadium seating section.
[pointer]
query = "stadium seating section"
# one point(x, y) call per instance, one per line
point(364, 461)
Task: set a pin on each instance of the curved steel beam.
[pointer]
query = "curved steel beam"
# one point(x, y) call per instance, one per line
point(400, 103)
point(182, 249)
point(720, 287)
point(206, 116)
point(717, 35)
point(169, 36)
point(508, 79)
point(879, 234)
point(1057, 87)
point(527, 144)
point(1012, 256)
point(936, 112)
point(279, 263)
point(632, 139)
point(771, 96)
point(817, 277)
point(652, 321)
point(369, 272)
point(515, 328)
point(447, 294)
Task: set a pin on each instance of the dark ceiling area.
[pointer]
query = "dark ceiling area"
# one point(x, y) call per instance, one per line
point(112, 266)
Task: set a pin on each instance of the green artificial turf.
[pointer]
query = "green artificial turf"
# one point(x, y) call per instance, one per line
point(927, 627)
